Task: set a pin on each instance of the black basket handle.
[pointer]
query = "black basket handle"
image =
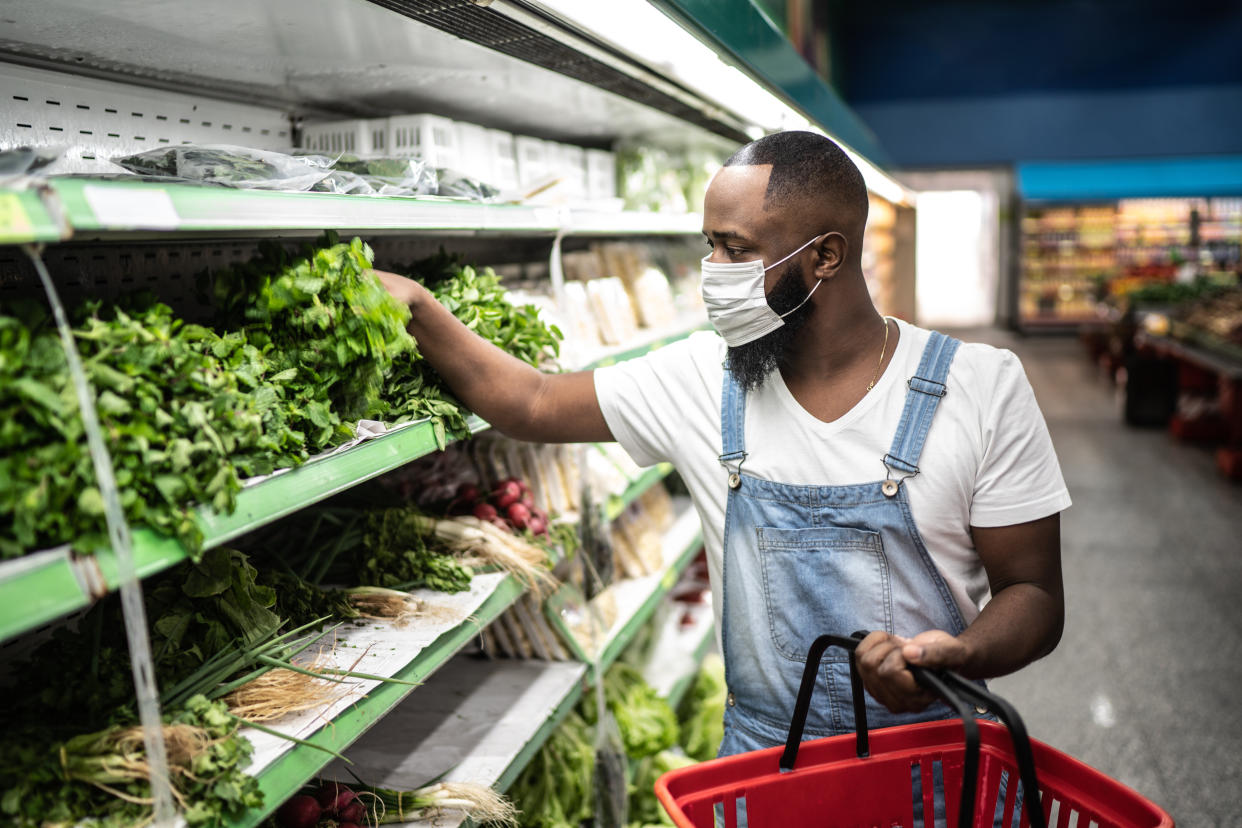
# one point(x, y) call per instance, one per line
point(948, 686)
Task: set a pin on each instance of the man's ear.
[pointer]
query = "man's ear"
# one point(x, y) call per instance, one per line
point(831, 249)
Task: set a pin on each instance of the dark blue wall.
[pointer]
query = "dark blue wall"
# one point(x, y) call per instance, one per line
point(971, 82)
point(1058, 126)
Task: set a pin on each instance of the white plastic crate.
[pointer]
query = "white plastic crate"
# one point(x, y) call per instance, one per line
point(570, 165)
point(430, 137)
point(474, 151)
point(533, 161)
point(364, 137)
point(601, 174)
point(504, 159)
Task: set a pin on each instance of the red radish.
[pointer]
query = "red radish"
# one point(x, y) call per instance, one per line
point(353, 812)
point(335, 798)
point(501, 523)
point(328, 793)
point(518, 515)
point(528, 500)
point(538, 525)
point(468, 493)
point(485, 511)
point(506, 494)
point(301, 811)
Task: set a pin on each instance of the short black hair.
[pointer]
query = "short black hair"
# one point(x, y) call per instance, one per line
point(805, 166)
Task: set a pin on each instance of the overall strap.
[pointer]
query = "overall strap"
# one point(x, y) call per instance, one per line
point(927, 386)
point(732, 423)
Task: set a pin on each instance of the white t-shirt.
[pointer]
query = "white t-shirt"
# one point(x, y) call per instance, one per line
point(988, 459)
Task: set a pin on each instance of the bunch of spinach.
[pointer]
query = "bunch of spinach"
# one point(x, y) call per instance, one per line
point(326, 326)
point(187, 413)
point(477, 299)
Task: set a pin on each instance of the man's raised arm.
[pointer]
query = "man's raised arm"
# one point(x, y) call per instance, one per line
point(518, 400)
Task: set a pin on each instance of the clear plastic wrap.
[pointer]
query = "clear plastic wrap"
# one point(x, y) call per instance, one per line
point(392, 176)
point(232, 166)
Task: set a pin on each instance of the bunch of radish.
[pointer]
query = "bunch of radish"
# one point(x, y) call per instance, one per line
point(333, 802)
point(509, 505)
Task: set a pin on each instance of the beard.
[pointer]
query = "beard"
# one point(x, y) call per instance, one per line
point(753, 362)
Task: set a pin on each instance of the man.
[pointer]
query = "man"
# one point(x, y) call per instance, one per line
point(851, 472)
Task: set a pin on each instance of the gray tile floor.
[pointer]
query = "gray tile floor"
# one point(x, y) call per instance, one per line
point(1145, 684)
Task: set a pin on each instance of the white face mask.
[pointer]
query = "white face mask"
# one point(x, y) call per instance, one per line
point(737, 304)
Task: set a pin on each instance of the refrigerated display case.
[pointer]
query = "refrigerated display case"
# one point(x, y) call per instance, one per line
point(105, 80)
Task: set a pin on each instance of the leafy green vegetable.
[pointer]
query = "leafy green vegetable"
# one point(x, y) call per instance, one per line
point(701, 713)
point(648, 725)
point(645, 809)
point(103, 775)
point(557, 788)
point(301, 346)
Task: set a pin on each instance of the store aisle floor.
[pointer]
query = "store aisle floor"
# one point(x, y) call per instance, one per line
point(1144, 685)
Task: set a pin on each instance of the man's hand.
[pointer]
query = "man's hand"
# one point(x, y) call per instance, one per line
point(883, 658)
point(406, 291)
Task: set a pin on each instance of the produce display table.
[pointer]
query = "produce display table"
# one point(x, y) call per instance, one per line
point(1202, 369)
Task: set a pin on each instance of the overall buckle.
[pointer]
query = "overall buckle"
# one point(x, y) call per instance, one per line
point(736, 458)
point(891, 485)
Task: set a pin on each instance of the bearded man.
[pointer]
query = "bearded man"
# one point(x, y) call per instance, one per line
point(851, 471)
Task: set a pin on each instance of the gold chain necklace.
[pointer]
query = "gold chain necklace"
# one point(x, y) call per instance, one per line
point(883, 350)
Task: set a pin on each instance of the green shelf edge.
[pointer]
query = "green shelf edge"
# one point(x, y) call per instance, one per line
point(540, 736)
point(38, 595)
point(283, 495)
point(159, 207)
point(295, 768)
point(37, 592)
point(25, 218)
point(171, 207)
point(616, 504)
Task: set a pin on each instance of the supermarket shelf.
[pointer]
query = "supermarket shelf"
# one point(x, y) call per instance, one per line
point(616, 504)
point(25, 218)
point(650, 339)
point(590, 222)
point(297, 765)
point(637, 598)
point(36, 589)
point(121, 208)
point(683, 645)
point(475, 721)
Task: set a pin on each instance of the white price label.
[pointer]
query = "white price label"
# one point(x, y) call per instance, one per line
point(132, 208)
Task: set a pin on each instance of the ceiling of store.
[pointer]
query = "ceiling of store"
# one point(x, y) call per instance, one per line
point(978, 79)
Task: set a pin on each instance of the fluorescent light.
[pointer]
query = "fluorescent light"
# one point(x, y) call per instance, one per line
point(652, 38)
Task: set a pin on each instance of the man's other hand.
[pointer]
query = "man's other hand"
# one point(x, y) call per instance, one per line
point(883, 659)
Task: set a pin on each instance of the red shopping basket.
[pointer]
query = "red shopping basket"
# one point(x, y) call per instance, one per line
point(906, 775)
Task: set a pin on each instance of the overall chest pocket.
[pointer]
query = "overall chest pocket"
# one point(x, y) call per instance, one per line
point(822, 580)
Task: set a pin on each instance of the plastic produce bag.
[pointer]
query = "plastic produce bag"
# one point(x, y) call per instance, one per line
point(232, 166)
point(612, 799)
point(453, 184)
point(392, 176)
point(20, 162)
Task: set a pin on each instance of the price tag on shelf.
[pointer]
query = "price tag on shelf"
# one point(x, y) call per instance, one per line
point(14, 222)
point(132, 208)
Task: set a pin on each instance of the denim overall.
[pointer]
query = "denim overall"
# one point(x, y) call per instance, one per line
point(800, 561)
